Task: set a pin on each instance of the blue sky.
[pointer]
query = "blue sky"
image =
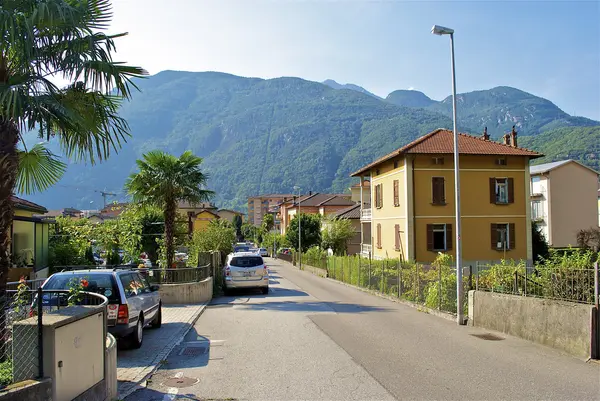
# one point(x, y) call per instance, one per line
point(548, 48)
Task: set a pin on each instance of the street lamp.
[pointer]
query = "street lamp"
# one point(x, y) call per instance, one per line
point(440, 30)
point(297, 188)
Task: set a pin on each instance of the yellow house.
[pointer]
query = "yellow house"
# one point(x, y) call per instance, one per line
point(29, 240)
point(412, 212)
point(202, 219)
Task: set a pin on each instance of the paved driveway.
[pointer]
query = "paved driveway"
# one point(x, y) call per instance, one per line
point(133, 366)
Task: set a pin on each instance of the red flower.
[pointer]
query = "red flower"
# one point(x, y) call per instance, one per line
point(84, 283)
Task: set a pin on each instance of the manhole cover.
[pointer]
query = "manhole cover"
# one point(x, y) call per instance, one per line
point(488, 336)
point(194, 351)
point(180, 382)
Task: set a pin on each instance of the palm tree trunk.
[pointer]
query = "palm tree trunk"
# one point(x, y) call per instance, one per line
point(170, 210)
point(9, 136)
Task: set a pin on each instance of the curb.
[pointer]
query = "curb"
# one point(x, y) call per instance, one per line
point(418, 307)
point(163, 354)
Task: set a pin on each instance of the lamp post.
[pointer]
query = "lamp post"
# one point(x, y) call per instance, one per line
point(297, 188)
point(440, 30)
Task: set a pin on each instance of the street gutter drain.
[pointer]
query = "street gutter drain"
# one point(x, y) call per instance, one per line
point(194, 351)
point(180, 382)
point(488, 337)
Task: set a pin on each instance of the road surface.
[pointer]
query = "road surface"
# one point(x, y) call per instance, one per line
point(314, 339)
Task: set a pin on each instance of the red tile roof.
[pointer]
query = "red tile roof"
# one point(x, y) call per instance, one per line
point(352, 212)
point(441, 141)
point(27, 205)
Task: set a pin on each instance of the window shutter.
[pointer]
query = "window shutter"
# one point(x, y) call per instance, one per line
point(448, 237)
point(510, 183)
point(380, 195)
point(396, 193)
point(377, 195)
point(494, 235)
point(397, 236)
point(430, 237)
point(511, 236)
point(378, 235)
point(437, 188)
point(441, 188)
point(492, 190)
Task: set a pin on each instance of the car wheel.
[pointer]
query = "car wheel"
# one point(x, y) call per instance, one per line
point(265, 290)
point(157, 322)
point(138, 334)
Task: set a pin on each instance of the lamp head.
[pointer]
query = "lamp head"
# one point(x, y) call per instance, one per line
point(441, 30)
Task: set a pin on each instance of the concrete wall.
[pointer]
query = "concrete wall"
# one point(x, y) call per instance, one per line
point(30, 390)
point(558, 324)
point(189, 293)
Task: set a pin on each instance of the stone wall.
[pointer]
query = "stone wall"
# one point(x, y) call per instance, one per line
point(188, 293)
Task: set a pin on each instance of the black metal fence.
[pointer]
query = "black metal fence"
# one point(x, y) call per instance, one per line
point(21, 317)
point(179, 275)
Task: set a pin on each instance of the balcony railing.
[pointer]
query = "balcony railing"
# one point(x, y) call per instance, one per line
point(365, 214)
point(366, 249)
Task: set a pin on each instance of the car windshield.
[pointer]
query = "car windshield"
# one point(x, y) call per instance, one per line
point(99, 283)
point(246, 261)
point(241, 249)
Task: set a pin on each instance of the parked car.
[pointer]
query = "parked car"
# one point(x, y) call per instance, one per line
point(263, 252)
point(133, 303)
point(246, 270)
point(241, 248)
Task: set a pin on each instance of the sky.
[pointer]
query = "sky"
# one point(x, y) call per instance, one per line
point(548, 48)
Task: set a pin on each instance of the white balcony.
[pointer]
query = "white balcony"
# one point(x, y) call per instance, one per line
point(366, 249)
point(365, 214)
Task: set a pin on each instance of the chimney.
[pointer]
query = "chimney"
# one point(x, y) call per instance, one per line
point(513, 137)
point(485, 136)
point(506, 139)
point(309, 193)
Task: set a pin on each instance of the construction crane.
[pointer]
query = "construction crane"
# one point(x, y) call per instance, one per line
point(105, 194)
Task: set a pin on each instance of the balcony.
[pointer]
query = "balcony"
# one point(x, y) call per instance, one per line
point(365, 215)
point(366, 249)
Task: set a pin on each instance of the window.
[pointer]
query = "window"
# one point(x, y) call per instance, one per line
point(437, 160)
point(439, 237)
point(536, 210)
point(396, 193)
point(129, 285)
point(501, 161)
point(503, 236)
point(246, 261)
point(378, 236)
point(438, 191)
point(379, 196)
point(501, 191)
point(397, 237)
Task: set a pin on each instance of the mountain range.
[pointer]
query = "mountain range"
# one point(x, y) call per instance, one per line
point(265, 136)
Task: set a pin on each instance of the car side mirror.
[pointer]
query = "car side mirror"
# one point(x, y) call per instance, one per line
point(154, 288)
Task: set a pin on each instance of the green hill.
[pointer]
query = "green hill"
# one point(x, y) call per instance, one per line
point(579, 143)
point(410, 98)
point(263, 136)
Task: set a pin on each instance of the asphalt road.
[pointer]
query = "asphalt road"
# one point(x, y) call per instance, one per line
point(314, 339)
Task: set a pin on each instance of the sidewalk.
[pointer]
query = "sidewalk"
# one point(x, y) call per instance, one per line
point(134, 366)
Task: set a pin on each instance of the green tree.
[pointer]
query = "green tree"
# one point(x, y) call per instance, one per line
point(218, 236)
point(162, 181)
point(62, 39)
point(539, 245)
point(248, 231)
point(310, 231)
point(237, 224)
point(336, 234)
point(268, 222)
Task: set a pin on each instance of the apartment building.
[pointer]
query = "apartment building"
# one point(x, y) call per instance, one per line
point(260, 205)
point(412, 212)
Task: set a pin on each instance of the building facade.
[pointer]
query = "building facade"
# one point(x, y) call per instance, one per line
point(564, 196)
point(260, 205)
point(412, 213)
point(317, 203)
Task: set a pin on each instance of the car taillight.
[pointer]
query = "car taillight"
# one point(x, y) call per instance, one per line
point(123, 315)
point(227, 271)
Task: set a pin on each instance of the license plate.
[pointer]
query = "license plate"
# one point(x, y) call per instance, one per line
point(247, 274)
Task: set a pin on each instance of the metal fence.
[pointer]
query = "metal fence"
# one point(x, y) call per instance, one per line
point(21, 334)
point(429, 285)
point(562, 283)
point(178, 275)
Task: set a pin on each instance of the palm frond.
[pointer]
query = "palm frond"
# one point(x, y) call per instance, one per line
point(39, 169)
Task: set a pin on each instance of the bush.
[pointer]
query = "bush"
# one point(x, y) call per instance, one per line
point(5, 373)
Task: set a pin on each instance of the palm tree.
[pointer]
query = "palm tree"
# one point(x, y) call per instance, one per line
point(162, 181)
point(42, 41)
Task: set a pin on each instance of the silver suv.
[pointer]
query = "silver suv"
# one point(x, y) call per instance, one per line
point(246, 270)
point(132, 302)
